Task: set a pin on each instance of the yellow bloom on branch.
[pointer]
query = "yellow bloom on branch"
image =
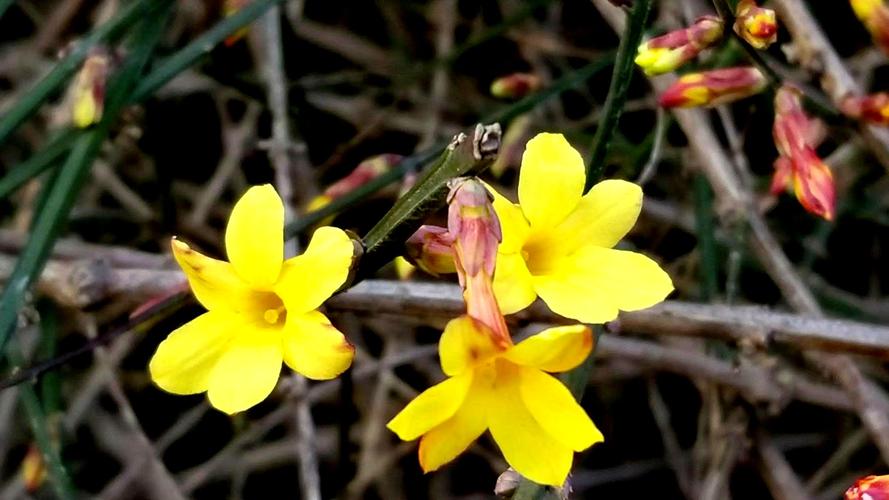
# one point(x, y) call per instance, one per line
point(532, 416)
point(557, 242)
point(262, 310)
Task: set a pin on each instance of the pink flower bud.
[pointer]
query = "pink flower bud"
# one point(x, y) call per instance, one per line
point(431, 249)
point(88, 90)
point(756, 25)
point(869, 488)
point(798, 166)
point(670, 51)
point(872, 108)
point(515, 86)
point(711, 88)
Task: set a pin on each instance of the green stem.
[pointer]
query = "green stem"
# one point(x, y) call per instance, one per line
point(199, 47)
point(58, 475)
point(60, 198)
point(617, 90)
point(51, 383)
point(704, 226)
point(4, 6)
point(38, 163)
point(61, 72)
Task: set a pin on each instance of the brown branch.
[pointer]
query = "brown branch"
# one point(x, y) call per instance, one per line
point(748, 324)
point(782, 481)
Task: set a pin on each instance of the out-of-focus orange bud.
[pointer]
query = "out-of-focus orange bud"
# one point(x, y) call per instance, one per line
point(711, 88)
point(431, 249)
point(872, 108)
point(670, 51)
point(756, 25)
point(33, 469)
point(799, 167)
point(365, 172)
point(515, 86)
point(875, 16)
point(869, 488)
point(88, 91)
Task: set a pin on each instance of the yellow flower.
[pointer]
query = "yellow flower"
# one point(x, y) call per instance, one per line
point(261, 310)
point(557, 243)
point(532, 416)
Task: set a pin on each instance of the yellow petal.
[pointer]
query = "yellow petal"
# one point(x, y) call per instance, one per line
point(513, 284)
point(513, 226)
point(308, 280)
point(551, 180)
point(432, 407)
point(443, 443)
point(247, 371)
point(526, 446)
point(556, 349)
point(184, 360)
point(594, 283)
point(604, 215)
point(315, 348)
point(213, 282)
point(254, 237)
point(465, 343)
point(556, 410)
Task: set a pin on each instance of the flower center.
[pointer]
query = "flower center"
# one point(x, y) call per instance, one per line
point(540, 255)
point(270, 308)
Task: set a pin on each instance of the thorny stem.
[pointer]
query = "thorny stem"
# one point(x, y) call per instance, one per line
point(58, 476)
point(464, 155)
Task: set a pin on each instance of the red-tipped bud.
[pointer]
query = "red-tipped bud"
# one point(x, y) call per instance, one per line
point(88, 91)
point(756, 25)
point(875, 16)
point(869, 488)
point(431, 249)
point(33, 469)
point(799, 167)
point(872, 108)
point(670, 51)
point(515, 86)
point(712, 88)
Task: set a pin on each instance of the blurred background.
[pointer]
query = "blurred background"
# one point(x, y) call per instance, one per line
point(724, 401)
